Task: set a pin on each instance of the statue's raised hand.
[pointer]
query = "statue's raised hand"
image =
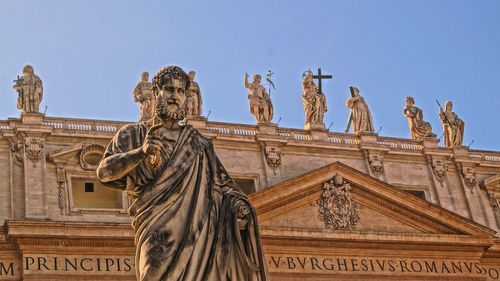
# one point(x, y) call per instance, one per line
point(152, 143)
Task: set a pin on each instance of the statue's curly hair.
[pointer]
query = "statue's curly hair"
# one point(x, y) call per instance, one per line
point(169, 72)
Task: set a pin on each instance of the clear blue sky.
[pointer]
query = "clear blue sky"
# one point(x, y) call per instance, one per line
point(90, 54)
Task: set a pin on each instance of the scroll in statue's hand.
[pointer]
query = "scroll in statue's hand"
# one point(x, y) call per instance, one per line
point(152, 143)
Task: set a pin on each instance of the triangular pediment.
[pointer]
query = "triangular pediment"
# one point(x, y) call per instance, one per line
point(381, 207)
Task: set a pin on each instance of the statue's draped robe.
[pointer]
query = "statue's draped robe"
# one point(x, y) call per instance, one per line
point(453, 130)
point(314, 105)
point(185, 213)
point(261, 106)
point(361, 117)
point(418, 127)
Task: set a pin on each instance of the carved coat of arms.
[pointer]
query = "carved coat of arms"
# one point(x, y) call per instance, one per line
point(336, 208)
point(439, 170)
point(34, 148)
point(273, 156)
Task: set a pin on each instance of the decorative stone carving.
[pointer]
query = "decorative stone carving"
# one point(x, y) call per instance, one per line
point(359, 115)
point(453, 126)
point(143, 94)
point(260, 103)
point(336, 208)
point(90, 155)
point(419, 129)
point(273, 156)
point(469, 176)
point(439, 169)
point(187, 211)
point(30, 90)
point(376, 163)
point(16, 147)
point(193, 97)
point(34, 147)
point(61, 180)
point(314, 102)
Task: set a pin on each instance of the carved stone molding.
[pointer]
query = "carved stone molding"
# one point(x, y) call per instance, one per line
point(439, 170)
point(496, 207)
point(336, 208)
point(469, 176)
point(34, 147)
point(376, 163)
point(273, 156)
point(90, 156)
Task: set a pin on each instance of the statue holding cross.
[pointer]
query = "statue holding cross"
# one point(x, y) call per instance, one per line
point(314, 100)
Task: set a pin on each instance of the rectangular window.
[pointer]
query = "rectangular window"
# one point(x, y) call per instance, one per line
point(89, 187)
point(419, 193)
point(247, 185)
point(89, 193)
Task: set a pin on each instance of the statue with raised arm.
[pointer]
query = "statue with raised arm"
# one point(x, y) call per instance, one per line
point(30, 90)
point(314, 102)
point(361, 117)
point(193, 97)
point(143, 94)
point(419, 129)
point(453, 126)
point(191, 220)
point(260, 102)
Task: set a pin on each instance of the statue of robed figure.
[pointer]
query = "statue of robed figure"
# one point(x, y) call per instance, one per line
point(191, 221)
point(30, 91)
point(453, 126)
point(419, 128)
point(360, 115)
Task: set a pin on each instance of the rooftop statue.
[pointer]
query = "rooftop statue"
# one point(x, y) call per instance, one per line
point(260, 102)
point(193, 97)
point(30, 90)
point(419, 129)
point(314, 102)
point(143, 94)
point(191, 220)
point(453, 126)
point(360, 115)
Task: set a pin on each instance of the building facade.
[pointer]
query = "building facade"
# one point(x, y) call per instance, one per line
point(331, 206)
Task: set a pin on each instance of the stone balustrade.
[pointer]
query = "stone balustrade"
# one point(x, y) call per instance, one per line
point(236, 130)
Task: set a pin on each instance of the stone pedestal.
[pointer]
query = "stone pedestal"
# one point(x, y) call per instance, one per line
point(267, 128)
point(32, 118)
point(430, 142)
point(308, 126)
point(319, 133)
point(365, 137)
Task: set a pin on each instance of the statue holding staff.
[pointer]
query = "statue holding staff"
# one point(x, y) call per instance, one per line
point(453, 126)
point(260, 103)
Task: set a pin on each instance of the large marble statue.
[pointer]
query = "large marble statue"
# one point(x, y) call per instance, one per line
point(143, 94)
point(361, 117)
point(419, 129)
point(30, 90)
point(193, 97)
point(314, 102)
point(191, 220)
point(260, 102)
point(453, 126)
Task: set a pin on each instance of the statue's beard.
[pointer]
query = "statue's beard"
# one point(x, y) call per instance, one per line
point(165, 113)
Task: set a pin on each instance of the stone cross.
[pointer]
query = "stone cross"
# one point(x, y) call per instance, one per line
point(320, 77)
